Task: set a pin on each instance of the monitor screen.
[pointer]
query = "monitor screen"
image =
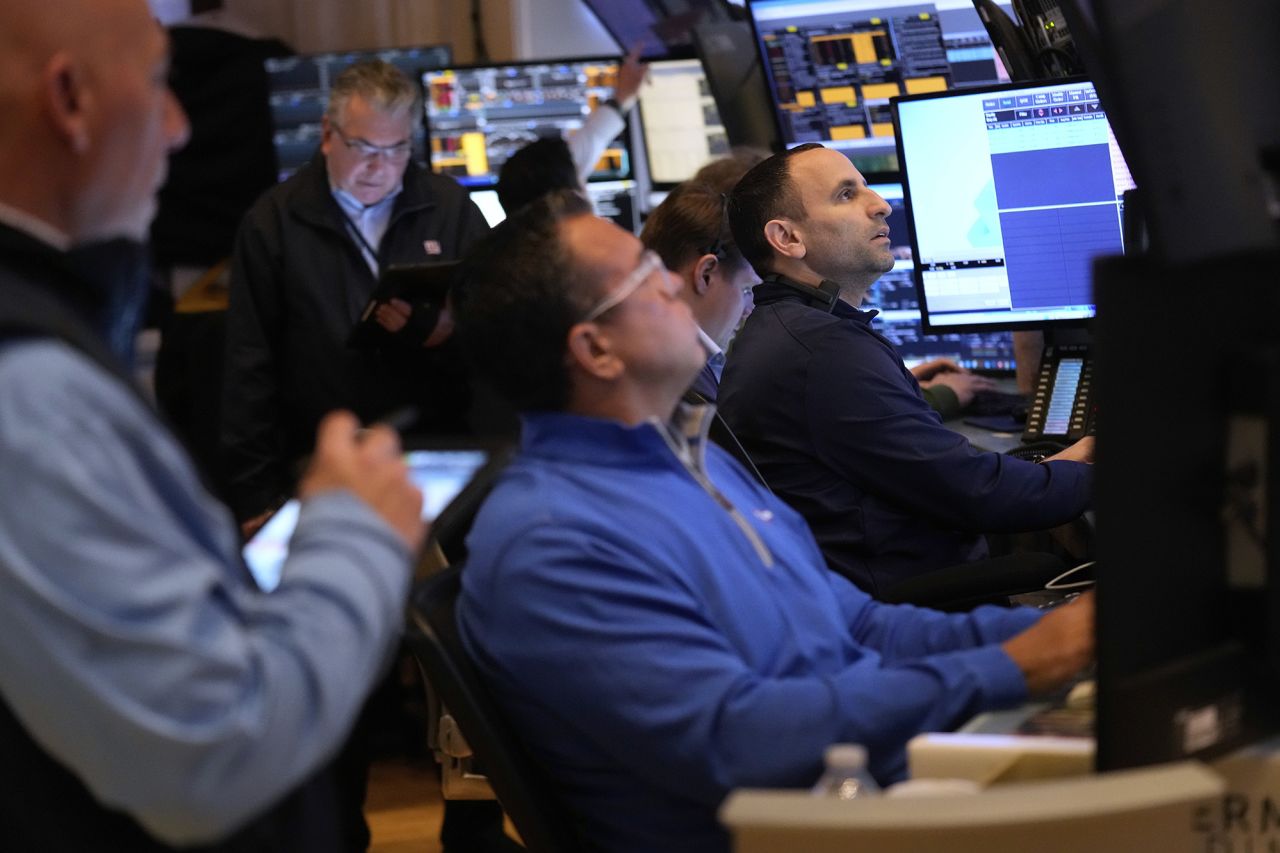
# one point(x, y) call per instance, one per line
point(894, 295)
point(663, 26)
point(833, 65)
point(479, 116)
point(299, 93)
point(1013, 191)
point(678, 117)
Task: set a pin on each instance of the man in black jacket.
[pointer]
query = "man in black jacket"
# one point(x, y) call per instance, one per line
point(307, 258)
point(829, 413)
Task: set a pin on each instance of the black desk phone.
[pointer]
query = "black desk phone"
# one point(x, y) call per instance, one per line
point(1062, 402)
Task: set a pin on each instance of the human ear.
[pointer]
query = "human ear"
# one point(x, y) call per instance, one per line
point(590, 349)
point(784, 238)
point(68, 101)
point(702, 270)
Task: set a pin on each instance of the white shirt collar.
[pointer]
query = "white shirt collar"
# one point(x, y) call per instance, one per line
point(35, 227)
point(713, 349)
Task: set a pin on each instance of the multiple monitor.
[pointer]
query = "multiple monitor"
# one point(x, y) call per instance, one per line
point(1015, 190)
point(1011, 193)
point(299, 92)
point(833, 65)
point(478, 116)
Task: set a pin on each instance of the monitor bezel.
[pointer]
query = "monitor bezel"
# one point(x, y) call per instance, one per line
point(624, 135)
point(927, 326)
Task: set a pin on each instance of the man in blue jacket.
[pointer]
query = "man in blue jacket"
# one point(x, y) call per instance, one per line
point(658, 627)
point(828, 412)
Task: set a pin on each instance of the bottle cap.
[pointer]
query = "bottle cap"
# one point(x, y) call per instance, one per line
point(845, 755)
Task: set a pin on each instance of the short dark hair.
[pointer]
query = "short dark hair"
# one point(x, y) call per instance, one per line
point(544, 165)
point(518, 297)
point(689, 223)
point(724, 172)
point(765, 192)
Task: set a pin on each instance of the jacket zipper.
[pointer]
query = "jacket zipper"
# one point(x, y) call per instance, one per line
point(695, 471)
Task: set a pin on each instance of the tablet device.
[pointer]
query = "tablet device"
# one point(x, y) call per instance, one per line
point(424, 286)
point(439, 473)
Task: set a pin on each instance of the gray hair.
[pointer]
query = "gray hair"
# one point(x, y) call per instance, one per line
point(380, 83)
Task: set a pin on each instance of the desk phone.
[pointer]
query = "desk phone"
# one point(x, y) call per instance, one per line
point(1062, 402)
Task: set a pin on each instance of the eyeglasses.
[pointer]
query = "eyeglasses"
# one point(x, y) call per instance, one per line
point(650, 262)
point(397, 153)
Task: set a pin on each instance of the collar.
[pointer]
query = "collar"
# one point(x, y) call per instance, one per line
point(600, 441)
point(313, 201)
point(357, 209)
point(779, 288)
point(34, 227)
point(708, 343)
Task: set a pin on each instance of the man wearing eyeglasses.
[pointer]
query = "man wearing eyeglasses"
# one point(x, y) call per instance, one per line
point(657, 626)
point(689, 232)
point(307, 258)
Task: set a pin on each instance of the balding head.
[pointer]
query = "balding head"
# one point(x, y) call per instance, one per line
point(89, 120)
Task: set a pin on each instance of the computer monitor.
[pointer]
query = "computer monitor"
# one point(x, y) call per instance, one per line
point(832, 66)
point(1188, 508)
point(894, 295)
point(664, 27)
point(299, 93)
point(679, 120)
point(1013, 190)
point(478, 116)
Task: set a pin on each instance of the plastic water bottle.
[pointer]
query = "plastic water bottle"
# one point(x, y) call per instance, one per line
point(846, 776)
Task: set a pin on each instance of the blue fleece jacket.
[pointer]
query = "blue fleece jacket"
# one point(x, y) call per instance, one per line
point(661, 632)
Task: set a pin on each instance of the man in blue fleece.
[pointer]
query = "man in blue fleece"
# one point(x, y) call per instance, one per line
point(659, 628)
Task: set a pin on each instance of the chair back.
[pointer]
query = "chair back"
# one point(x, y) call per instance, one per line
point(525, 792)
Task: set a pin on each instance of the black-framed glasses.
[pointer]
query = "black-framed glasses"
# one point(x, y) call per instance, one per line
point(397, 153)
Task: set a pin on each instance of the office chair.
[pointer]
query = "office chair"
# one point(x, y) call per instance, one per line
point(545, 825)
point(1119, 812)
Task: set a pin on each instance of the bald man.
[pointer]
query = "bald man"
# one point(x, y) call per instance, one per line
point(149, 695)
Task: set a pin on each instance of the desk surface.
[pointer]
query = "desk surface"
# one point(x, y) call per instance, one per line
point(985, 439)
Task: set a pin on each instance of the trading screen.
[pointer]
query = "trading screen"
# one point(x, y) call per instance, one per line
point(833, 65)
point(1014, 192)
point(682, 128)
point(478, 117)
point(894, 295)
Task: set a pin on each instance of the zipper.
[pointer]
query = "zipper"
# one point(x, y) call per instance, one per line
point(696, 471)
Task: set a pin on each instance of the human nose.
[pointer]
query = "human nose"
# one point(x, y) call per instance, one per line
point(879, 207)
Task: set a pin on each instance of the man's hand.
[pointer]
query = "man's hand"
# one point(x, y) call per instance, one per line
point(1054, 650)
point(630, 75)
point(964, 385)
point(1081, 451)
point(394, 315)
point(927, 370)
point(369, 464)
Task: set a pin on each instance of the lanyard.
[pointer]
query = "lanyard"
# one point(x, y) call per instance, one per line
point(370, 253)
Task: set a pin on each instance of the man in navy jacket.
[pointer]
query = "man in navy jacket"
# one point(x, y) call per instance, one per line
point(829, 413)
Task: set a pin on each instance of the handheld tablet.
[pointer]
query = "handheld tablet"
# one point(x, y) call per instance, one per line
point(439, 473)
